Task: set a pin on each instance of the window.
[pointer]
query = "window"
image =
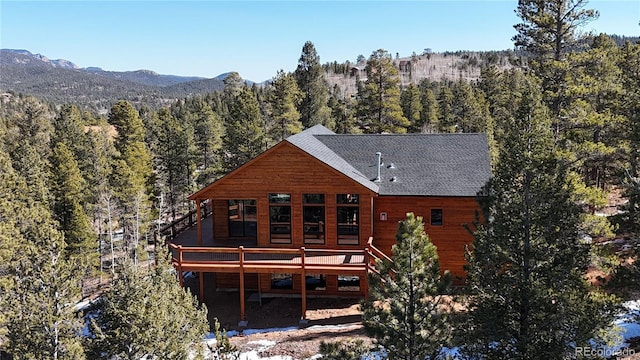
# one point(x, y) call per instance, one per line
point(348, 211)
point(313, 218)
point(242, 218)
point(282, 281)
point(316, 282)
point(348, 283)
point(436, 217)
point(280, 218)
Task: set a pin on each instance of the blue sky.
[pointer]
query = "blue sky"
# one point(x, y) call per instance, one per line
point(257, 38)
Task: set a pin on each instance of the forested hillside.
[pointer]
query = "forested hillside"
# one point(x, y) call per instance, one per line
point(61, 81)
point(83, 192)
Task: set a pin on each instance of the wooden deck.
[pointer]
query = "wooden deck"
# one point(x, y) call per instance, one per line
point(301, 261)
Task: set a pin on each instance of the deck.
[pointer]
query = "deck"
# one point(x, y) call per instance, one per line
point(234, 256)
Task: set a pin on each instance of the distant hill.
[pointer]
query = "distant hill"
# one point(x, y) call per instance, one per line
point(62, 81)
point(447, 66)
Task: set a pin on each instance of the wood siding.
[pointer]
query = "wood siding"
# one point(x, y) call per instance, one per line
point(287, 169)
point(450, 238)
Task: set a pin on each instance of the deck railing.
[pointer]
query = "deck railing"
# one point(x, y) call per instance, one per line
point(268, 260)
point(301, 261)
point(184, 222)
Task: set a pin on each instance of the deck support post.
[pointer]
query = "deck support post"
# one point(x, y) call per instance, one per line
point(198, 222)
point(201, 277)
point(303, 281)
point(180, 277)
point(242, 314)
point(365, 281)
point(213, 220)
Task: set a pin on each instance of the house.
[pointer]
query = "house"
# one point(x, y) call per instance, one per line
point(310, 215)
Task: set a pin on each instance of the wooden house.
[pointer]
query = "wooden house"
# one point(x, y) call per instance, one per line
point(309, 215)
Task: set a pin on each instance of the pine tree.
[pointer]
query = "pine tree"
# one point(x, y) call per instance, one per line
point(429, 115)
point(69, 128)
point(342, 113)
point(175, 161)
point(67, 190)
point(245, 137)
point(208, 131)
point(470, 110)
point(529, 299)
point(446, 118)
point(284, 97)
point(132, 170)
point(379, 105)
point(549, 31)
point(309, 75)
point(412, 106)
point(630, 64)
point(148, 315)
point(38, 285)
point(591, 127)
point(43, 322)
point(406, 311)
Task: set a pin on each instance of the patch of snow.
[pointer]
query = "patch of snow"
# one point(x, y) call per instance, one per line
point(629, 320)
point(268, 330)
point(331, 327)
point(83, 305)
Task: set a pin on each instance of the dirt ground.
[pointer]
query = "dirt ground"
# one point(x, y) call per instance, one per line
point(328, 319)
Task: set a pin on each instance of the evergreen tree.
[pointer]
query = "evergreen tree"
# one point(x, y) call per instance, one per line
point(43, 322)
point(412, 106)
point(148, 315)
point(208, 131)
point(406, 311)
point(429, 115)
point(342, 113)
point(379, 105)
point(471, 112)
point(38, 285)
point(68, 186)
point(446, 118)
point(132, 171)
point(233, 83)
point(549, 31)
point(530, 300)
point(245, 137)
point(27, 139)
point(69, 128)
point(592, 126)
point(309, 75)
point(284, 96)
point(175, 161)
point(630, 64)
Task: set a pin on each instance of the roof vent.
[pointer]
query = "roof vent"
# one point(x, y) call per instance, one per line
point(394, 179)
point(379, 165)
point(391, 166)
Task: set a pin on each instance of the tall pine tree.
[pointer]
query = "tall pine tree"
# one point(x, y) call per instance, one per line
point(245, 136)
point(530, 300)
point(315, 91)
point(284, 97)
point(407, 312)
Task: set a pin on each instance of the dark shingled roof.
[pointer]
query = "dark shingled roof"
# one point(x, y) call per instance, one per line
point(424, 164)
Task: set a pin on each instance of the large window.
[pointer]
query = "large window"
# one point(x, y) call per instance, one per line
point(280, 218)
point(348, 209)
point(313, 218)
point(242, 218)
